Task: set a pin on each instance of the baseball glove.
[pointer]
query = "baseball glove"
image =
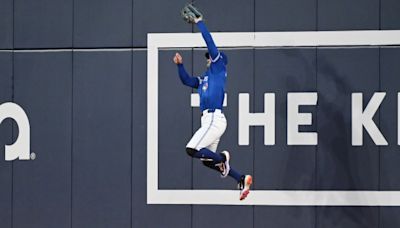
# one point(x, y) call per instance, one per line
point(190, 14)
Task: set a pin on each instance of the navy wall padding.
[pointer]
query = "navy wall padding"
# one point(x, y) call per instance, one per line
point(43, 23)
point(43, 86)
point(6, 84)
point(6, 24)
point(79, 70)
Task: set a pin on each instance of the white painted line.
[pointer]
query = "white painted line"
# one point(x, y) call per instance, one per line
point(42, 50)
point(35, 50)
point(280, 39)
point(195, 100)
point(278, 198)
point(254, 40)
point(184, 49)
point(73, 50)
point(152, 120)
point(328, 38)
point(104, 50)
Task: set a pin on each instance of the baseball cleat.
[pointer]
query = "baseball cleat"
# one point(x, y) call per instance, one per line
point(224, 167)
point(244, 186)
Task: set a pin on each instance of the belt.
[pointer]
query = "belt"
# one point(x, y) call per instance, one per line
point(211, 111)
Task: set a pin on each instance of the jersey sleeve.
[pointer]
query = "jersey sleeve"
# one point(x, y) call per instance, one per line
point(212, 48)
point(186, 79)
point(220, 64)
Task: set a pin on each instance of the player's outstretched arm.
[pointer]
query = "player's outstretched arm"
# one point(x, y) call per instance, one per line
point(183, 75)
point(192, 15)
point(212, 48)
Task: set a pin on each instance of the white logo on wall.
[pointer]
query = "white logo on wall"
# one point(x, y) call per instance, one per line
point(21, 147)
point(362, 118)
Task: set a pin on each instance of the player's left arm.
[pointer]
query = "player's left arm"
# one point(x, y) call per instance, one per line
point(192, 15)
point(212, 48)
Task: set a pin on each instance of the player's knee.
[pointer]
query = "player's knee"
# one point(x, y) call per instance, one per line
point(190, 151)
point(209, 164)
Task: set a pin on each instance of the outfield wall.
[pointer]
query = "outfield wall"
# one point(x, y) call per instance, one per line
point(88, 113)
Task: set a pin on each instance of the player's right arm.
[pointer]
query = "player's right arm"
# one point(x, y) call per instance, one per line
point(183, 75)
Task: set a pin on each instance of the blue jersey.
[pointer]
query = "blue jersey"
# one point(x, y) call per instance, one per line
point(211, 85)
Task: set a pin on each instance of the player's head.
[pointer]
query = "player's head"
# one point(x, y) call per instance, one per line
point(223, 56)
point(208, 59)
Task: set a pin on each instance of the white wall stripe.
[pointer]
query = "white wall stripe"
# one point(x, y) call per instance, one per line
point(186, 49)
point(370, 38)
point(73, 50)
point(278, 198)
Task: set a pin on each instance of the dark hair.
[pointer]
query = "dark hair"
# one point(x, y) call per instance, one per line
point(223, 56)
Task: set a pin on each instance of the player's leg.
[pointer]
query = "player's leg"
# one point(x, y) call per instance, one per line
point(231, 171)
point(209, 162)
point(217, 166)
point(244, 181)
point(204, 145)
point(204, 154)
point(220, 167)
point(244, 186)
point(212, 127)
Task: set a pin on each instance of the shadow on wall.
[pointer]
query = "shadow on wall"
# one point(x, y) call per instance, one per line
point(337, 148)
point(293, 83)
point(337, 160)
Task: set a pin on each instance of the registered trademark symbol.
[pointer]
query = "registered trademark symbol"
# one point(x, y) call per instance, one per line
point(33, 156)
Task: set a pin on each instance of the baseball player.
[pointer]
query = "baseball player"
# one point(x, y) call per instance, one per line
point(211, 88)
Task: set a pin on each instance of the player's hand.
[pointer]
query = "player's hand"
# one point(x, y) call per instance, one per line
point(178, 59)
point(198, 19)
point(191, 14)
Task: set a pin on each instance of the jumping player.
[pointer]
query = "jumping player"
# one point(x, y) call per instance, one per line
point(211, 88)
